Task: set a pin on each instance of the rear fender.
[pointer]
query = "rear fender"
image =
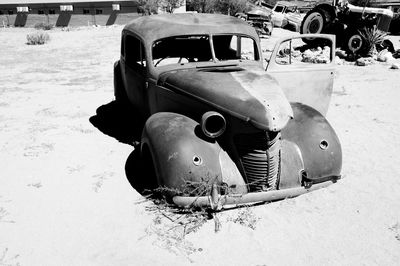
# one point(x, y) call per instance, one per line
point(183, 158)
point(312, 146)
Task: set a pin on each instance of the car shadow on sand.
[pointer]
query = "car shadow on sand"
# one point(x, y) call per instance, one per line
point(119, 122)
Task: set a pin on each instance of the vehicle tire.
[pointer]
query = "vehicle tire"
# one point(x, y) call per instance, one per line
point(313, 22)
point(353, 41)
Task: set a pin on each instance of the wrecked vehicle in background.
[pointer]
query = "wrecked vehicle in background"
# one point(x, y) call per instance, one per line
point(289, 15)
point(220, 129)
point(260, 19)
point(348, 22)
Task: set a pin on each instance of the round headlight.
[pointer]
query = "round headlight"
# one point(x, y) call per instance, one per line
point(213, 124)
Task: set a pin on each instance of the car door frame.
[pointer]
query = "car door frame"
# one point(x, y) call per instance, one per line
point(135, 76)
point(310, 84)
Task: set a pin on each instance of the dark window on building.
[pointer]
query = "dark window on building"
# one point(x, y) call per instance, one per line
point(10, 12)
point(99, 11)
point(52, 11)
point(1, 12)
point(86, 11)
point(40, 12)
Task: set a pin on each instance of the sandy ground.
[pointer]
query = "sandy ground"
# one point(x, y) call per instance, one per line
point(65, 198)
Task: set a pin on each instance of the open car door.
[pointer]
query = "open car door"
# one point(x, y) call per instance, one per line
point(305, 73)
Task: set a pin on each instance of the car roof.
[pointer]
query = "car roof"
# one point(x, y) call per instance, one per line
point(286, 3)
point(155, 27)
point(295, 3)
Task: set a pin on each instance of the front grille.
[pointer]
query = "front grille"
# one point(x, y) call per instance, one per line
point(260, 156)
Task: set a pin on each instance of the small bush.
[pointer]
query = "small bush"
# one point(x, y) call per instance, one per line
point(37, 38)
point(372, 37)
point(43, 26)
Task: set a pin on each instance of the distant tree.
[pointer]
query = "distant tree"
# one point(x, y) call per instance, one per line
point(201, 6)
point(170, 5)
point(229, 7)
point(148, 7)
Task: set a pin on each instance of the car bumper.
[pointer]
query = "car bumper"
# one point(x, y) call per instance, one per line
point(217, 202)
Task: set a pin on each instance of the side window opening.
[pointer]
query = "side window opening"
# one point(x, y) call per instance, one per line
point(231, 47)
point(181, 50)
point(279, 9)
point(134, 52)
point(197, 48)
point(226, 47)
point(295, 52)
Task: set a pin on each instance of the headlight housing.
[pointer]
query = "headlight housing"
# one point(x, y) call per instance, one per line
point(213, 124)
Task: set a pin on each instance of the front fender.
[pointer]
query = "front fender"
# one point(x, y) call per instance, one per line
point(317, 142)
point(183, 158)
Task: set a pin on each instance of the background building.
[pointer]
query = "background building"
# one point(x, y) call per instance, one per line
point(21, 13)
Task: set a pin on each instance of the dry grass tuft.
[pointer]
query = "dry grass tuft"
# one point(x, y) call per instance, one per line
point(37, 38)
point(6, 260)
point(171, 225)
point(246, 217)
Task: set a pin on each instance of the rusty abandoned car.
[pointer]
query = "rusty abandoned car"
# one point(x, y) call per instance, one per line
point(221, 128)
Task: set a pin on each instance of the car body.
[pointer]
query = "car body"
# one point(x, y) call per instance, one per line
point(293, 20)
point(220, 127)
point(289, 15)
point(260, 18)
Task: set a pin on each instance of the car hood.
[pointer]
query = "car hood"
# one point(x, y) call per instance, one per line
point(251, 96)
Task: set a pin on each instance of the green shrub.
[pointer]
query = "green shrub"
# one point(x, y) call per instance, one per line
point(37, 38)
point(43, 26)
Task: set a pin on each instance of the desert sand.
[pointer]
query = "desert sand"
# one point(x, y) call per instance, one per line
point(65, 198)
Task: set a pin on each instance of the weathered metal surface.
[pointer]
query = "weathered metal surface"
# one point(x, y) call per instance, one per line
point(152, 28)
point(320, 147)
point(292, 165)
point(251, 96)
point(231, 175)
point(182, 157)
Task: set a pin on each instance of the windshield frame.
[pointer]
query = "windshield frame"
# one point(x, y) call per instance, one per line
point(255, 49)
